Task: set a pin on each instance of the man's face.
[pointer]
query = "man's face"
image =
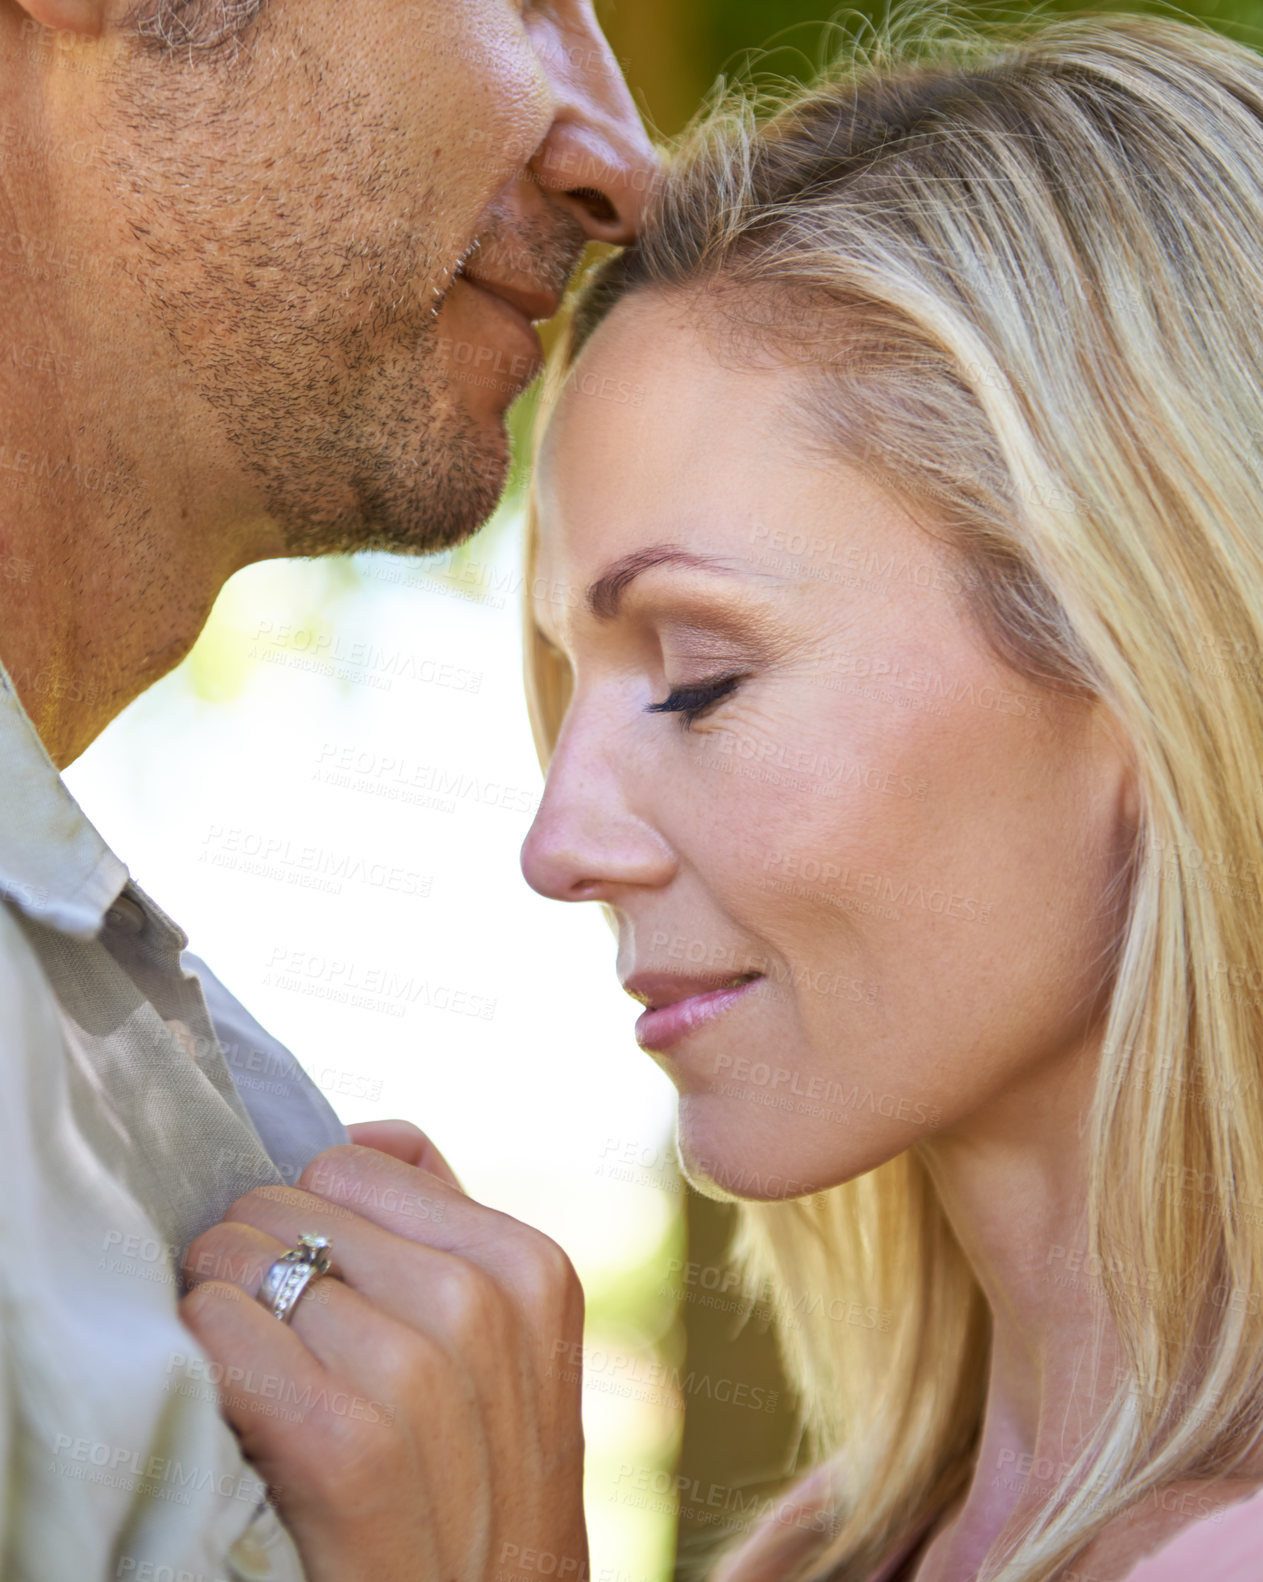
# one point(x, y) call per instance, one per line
point(295, 211)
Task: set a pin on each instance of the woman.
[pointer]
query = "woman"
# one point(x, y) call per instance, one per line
point(898, 605)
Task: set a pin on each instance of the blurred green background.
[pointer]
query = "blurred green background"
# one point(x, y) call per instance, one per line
point(672, 50)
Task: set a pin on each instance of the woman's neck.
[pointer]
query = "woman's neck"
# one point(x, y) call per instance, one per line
point(1015, 1193)
point(1014, 1189)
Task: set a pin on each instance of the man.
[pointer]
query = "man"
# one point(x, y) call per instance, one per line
point(247, 249)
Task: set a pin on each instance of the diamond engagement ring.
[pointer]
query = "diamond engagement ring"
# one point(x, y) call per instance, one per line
point(291, 1274)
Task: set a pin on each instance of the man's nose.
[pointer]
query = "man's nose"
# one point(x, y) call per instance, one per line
point(597, 156)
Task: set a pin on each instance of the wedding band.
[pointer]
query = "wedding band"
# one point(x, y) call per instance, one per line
point(292, 1273)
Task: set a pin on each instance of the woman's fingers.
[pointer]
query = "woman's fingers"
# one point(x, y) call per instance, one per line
point(420, 1251)
point(368, 1321)
point(335, 1457)
point(401, 1276)
point(406, 1142)
point(411, 1203)
point(267, 1377)
point(412, 1412)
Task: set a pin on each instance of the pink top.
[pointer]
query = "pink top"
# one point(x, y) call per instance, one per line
point(1225, 1547)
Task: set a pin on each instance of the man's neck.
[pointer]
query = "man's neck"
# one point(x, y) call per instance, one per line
point(111, 554)
point(74, 675)
point(107, 570)
point(123, 509)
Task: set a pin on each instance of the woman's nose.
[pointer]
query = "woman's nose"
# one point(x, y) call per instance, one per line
point(586, 843)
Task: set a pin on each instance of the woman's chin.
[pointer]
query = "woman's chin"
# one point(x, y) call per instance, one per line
point(725, 1158)
point(724, 1161)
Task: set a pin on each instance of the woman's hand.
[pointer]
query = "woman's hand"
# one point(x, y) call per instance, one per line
point(411, 1420)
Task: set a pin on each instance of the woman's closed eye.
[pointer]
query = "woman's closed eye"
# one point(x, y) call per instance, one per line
point(693, 701)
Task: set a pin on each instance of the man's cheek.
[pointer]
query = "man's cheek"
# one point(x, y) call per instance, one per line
point(479, 86)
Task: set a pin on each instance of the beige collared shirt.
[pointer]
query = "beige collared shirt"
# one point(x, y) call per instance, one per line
point(122, 1135)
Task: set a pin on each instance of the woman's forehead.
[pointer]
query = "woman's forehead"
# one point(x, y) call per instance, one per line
point(649, 427)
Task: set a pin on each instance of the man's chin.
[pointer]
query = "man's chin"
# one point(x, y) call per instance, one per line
point(420, 505)
point(437, 523)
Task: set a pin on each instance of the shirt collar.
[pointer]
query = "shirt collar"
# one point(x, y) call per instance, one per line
point(54, 867)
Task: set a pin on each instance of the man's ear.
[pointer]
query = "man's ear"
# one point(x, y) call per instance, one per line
point(68, 16)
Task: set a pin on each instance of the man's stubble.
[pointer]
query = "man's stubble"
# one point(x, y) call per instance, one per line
point(295, 280)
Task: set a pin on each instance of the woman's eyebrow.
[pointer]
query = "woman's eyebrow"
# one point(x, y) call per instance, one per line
point(605, 594)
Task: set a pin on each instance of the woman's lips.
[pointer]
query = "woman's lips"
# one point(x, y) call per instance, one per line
point(677, 1006)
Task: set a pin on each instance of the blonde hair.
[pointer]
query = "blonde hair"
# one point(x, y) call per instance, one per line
point(1032, 254)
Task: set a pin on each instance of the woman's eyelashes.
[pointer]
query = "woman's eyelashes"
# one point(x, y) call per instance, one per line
point(692, 702)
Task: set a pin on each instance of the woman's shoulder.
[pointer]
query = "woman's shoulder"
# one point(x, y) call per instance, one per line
point(1211, 1532)
point(789, 1532)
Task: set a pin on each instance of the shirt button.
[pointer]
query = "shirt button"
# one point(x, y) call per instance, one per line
point(249, 1558)
point(126, 916)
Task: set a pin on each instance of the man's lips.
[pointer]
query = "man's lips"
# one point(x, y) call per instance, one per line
point(532, 302)
point(517, 308)
point(677, 1003)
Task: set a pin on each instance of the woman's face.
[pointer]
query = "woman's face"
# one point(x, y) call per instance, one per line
point(861, 870)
